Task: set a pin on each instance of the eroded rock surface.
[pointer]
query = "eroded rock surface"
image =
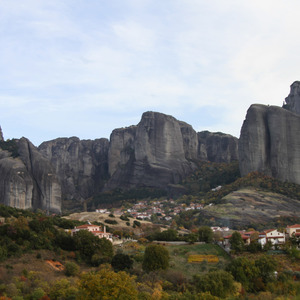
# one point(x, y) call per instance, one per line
point(80, 165)
point(28, 180)
point(270, 143)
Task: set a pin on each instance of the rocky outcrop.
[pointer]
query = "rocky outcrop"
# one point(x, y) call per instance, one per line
point(292, 102)
point(1, 135)
point(161, 150)
point(270, 143)
point(158, 152)
point(217, 147)
point(80, 165)
point(28, 180)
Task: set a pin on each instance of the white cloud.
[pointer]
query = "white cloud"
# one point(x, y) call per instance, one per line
point(203, 61)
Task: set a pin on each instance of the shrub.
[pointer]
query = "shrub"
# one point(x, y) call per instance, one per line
point(113, 222)
point(71, 269)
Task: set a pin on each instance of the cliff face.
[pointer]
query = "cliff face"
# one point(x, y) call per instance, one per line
point(28, 181)
point(292, 101)
point(161, 150)
point(270, 143)
point(80, 165)
point(158, 151)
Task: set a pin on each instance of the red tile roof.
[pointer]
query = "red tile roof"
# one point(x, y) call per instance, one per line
point(294, 226)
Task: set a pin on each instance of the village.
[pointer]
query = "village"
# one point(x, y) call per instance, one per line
point(163, 210)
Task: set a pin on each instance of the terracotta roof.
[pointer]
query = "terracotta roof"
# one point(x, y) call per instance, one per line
point(269, 230)
point(294, 226)
point(86, 226)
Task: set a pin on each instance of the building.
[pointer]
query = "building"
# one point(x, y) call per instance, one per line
point(293, 231)
point(95, 230)
point(271, 235)
point(246, 239)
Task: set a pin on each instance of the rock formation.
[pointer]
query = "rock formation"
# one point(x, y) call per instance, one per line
point(270, 142)
point(292, 102)
point(155, 153)
point(28, 180)
point(161, 150)
point(81, 165)
point(1, 135)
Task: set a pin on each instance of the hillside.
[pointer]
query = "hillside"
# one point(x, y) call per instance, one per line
point(252, 206)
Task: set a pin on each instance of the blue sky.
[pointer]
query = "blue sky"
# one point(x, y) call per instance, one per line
point(85, 67)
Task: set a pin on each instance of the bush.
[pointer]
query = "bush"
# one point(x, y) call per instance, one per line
point(136, 223)
point(113, 222)
point(71, 269)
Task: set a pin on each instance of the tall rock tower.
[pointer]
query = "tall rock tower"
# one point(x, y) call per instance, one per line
point(269, 142)
point(1, 134)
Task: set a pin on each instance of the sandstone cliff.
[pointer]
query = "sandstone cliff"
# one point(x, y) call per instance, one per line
point(28, 180)
point(270, 143)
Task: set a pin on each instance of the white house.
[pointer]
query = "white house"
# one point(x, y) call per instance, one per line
point(271, 235)
point(95, 230)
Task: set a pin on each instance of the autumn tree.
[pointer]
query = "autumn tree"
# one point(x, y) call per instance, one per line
point(107, 284)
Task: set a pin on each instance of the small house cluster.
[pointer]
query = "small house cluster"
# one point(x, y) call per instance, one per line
point(163, 209)
point(272, 236)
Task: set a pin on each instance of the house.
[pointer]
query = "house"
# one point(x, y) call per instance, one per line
point(271, 235)
point(246, 239)
point(293, 231)
point(95, 230)
point(101, 211)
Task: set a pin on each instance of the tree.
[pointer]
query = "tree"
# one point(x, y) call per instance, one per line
point(121, 262)
point(267, 267)
point(236, 242)
point(218, 283)
point(107, 284)
point(90, 246)
point(156, 257)
point(205, 234)
point(246, 272)
point(62, 289)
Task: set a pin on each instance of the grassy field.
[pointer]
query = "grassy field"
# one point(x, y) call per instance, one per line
point(179, 255)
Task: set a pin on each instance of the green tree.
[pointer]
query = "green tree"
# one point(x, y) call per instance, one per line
point(246, 272)
point(167, 235)
point(267, 267)
point(156, 257)
point(236, 242)
point(218, 283)
point(62, 289)
point(107, 284)
point(90, 246)
point(121, 262)
point(205, 234)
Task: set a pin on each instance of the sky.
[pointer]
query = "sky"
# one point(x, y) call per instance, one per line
point(83, 68)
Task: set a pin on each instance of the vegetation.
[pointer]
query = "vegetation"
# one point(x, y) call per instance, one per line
point(10, 146)
point(205, 234)
point(156, 257)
